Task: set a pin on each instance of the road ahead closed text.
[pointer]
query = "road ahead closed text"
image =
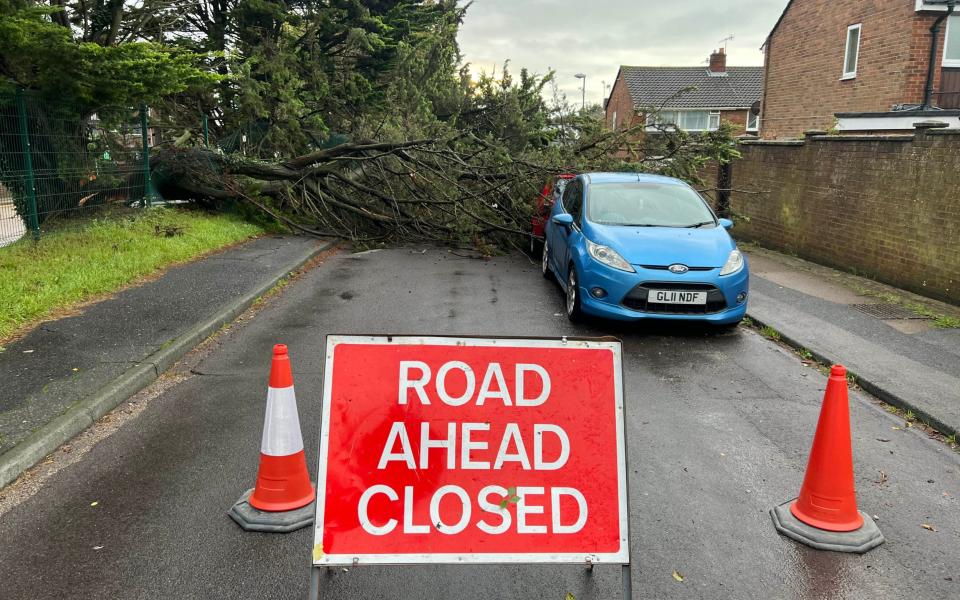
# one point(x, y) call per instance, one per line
point(482, 450)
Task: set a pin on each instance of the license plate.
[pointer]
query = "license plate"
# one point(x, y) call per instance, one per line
point(676, 297)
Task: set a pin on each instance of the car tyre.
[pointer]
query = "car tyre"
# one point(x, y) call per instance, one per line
point(574, 311)
point(545, 261)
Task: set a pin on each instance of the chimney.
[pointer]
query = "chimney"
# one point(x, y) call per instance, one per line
point(718, 61)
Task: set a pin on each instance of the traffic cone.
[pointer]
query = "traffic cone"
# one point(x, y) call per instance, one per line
point(825, 514)
point(281, 500)
point(827, 497)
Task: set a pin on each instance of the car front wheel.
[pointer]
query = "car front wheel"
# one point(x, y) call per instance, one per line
point(574, 312)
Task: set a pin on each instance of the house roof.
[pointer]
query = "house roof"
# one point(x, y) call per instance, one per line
point(659, 86)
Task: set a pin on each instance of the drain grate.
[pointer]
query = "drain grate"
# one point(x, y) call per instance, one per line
point(887, 311)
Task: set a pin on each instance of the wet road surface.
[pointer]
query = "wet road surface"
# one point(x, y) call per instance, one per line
point(719, 426)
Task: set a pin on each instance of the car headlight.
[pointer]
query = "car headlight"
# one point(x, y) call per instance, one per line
point(608, 256)
point(734, 263)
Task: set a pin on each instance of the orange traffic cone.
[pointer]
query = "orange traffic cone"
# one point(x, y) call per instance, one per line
point(283, 493)
point(825, 514)
point(827, 497)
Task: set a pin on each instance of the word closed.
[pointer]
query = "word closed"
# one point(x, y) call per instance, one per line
point(440, 449)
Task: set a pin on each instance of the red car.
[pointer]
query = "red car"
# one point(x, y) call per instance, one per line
point(552, 190)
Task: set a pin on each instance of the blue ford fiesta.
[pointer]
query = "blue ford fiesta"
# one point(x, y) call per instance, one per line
point(632, 246)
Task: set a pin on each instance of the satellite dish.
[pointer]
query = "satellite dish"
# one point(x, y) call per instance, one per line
point(755, 108)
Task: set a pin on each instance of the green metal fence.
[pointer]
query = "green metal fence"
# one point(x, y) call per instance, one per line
point(56, 163)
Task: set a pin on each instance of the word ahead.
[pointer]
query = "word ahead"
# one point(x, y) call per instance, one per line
point(451, 450)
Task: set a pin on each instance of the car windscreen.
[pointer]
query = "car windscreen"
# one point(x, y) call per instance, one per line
point(647, 204)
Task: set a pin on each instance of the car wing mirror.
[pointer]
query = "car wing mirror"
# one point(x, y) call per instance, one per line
point(564, 219)
point(726, 223)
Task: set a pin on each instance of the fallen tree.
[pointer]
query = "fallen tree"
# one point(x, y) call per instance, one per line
point(460, 189)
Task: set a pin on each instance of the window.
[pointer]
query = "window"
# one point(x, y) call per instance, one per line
point(687, 120)
point(573, 200)
point(753, 121)
point(852, 52)
point(713, 121)
point(647, 204)
point(951, 45)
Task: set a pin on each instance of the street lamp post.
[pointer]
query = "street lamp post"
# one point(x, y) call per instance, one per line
point(583, 93)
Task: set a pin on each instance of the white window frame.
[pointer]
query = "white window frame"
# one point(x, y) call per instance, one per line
point(952, 23)
point(756, 122)
point(846, 51)
point(652, 122)
point(713, 116)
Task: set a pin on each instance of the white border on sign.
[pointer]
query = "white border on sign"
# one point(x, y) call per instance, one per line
point(622, 556)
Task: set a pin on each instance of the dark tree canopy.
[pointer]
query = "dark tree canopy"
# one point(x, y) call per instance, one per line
point(425, 149)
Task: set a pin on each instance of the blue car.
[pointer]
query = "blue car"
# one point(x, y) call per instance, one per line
point(631, 246)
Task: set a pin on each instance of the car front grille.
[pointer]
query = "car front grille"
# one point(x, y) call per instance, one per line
point(636, 299)
point(666, 267)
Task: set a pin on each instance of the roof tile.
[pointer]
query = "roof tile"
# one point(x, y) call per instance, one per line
point(662, 87)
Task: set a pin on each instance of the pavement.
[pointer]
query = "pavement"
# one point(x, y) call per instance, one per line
point(66, 373)
point(894, 353)
point(719, 427)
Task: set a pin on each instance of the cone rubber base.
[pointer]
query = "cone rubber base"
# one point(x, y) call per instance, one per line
point(859, 541)
point(251, 519)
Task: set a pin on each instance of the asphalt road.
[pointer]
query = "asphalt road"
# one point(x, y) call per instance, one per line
point(719, 426)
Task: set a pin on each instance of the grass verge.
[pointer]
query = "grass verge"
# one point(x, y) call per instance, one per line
point(86, 259)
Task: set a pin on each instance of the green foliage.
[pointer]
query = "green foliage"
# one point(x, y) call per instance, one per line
point(36, 53)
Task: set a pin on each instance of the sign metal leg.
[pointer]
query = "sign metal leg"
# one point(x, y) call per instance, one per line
point(626, 576)
point(314, 583)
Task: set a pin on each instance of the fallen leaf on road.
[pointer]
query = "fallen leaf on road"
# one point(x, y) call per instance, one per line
point(883, 478)
point(677, 576)
point(94, 503)
point(569, 596)
point(928, 527)
point(98, 547)
point(895, 428)
point(883, 440)
point(28, 351)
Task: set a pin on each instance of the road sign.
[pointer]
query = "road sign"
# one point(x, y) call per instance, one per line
point(469, 450)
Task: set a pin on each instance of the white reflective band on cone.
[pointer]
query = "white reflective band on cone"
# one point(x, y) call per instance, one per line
point(281, 426)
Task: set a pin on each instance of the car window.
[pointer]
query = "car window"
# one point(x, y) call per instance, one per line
point(647, 204)
point(573, 200)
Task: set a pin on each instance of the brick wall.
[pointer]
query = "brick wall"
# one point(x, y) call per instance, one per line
point(804, 62)
point(621, 103)
point(883, 206)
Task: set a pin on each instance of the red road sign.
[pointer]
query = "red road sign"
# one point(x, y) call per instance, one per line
point(436, 449)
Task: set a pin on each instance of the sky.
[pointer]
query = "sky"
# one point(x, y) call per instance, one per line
point(595, 37)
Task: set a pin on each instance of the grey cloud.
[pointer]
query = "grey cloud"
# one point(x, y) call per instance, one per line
point(596, 37)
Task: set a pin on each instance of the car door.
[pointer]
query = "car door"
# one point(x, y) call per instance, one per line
point(567, 236)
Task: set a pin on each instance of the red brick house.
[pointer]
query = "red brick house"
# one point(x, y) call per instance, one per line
point(713, 94)
point(860, 67)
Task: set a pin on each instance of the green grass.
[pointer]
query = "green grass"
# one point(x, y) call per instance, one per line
point(770, 333)
point(88, 258)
